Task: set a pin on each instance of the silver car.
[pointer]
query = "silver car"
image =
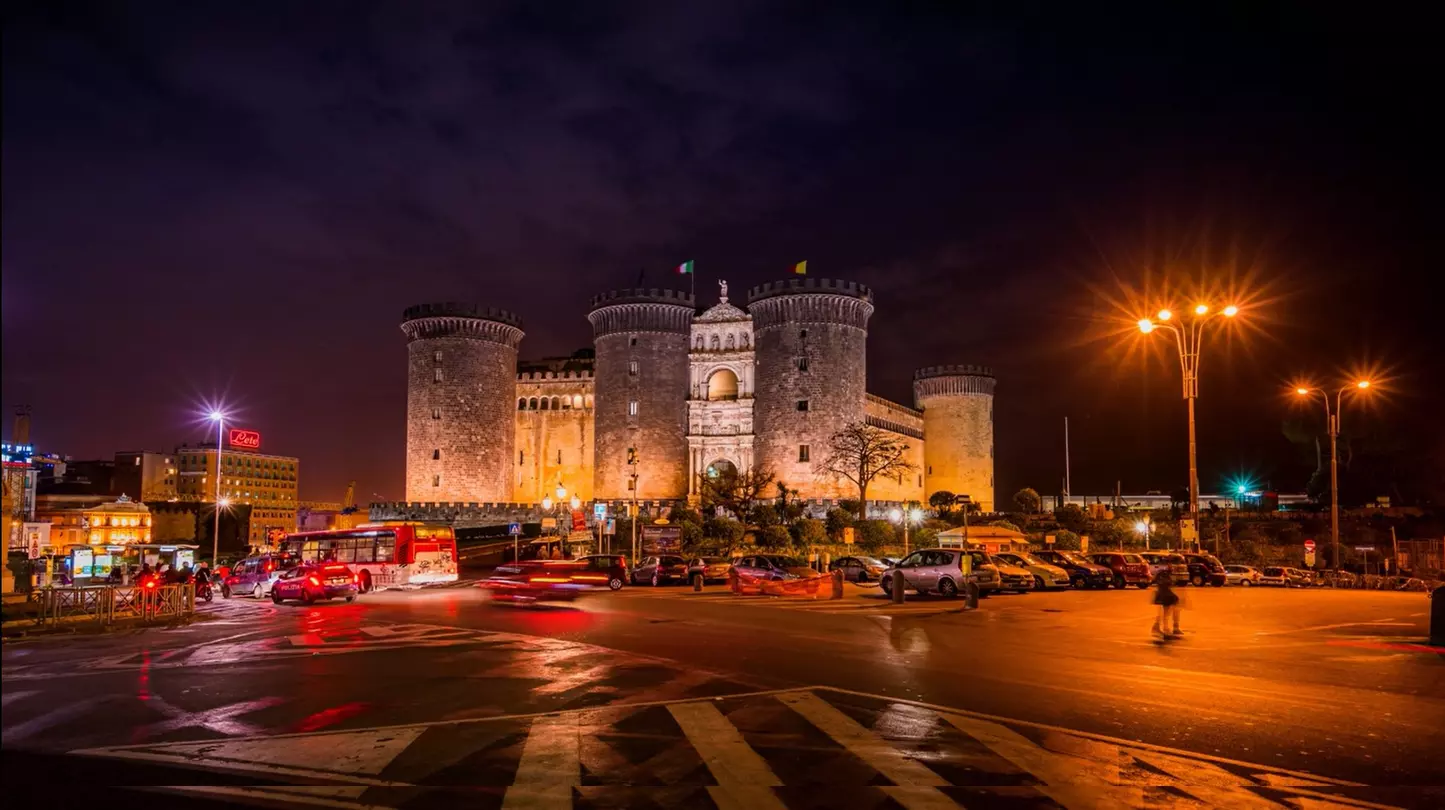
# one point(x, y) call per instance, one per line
point(940, 571)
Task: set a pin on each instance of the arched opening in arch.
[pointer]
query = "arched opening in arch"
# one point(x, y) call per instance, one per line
point(555, 403)
point(722, 384)
point(544, 403)
point(577, 401)
point(522, 404)
point(722, 468)
point(532, 404)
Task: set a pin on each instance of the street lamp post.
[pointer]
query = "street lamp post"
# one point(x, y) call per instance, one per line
point(1143, 527)
point(1332, 426)
point(906, 515)
point(220, 419)
point(1188, 338)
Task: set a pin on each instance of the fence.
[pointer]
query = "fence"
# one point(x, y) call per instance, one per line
point(105, 605)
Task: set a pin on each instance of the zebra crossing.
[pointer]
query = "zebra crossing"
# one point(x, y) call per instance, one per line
point(800, 748)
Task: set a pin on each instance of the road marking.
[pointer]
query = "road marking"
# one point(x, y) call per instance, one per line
point(551, 766)
point(743, 777)
point(864, 744)
point(1068, 780)
point(221, 719)
point(351, 755)
point(1376, 623)
point(6, 700)
point(55, 717)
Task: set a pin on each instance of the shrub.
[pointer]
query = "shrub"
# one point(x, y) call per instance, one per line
point(873, 535)
point(1072, 517)
point(853, 508)
point(1004, 524)
point(1065, 540)
point(725, 531)
point(837, 521)
point(774, 537)
point(810, 532)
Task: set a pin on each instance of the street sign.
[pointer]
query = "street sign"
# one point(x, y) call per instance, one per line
point(610, 527)
point(579, 522)
point(848, 535)
point(1309, 545)
point(1364, 548)
point(1187, 530)
point(962, 499)
point(1084, 544)
point(549, 523)
point(600, 510)
point(514, 529)
point(1310, 558)
point(1049, 539)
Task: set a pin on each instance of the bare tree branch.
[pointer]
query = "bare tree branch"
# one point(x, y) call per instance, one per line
point(861, 454)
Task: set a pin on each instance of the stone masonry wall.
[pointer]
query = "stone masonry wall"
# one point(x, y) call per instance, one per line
point(554, 444)
point(957, 404)
point(824, 322)
point(648, 328)
point(461, 385)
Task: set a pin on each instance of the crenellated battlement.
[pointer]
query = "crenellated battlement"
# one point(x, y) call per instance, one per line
point(952, 371)
point(640, 296)
point(554, 376)
point(454, 309)
point(806, 286)
point(466, 321)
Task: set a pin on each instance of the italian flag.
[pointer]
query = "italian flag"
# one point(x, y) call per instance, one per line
point(685, 269)
point(800, 269)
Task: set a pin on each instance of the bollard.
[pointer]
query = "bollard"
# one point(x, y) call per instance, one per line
point(970, 592)
point(897, 587)
point(1437, 617)
point(697, 582)
point(838, 584)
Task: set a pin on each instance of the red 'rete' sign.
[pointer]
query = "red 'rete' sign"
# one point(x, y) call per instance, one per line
point(249, 439)
point(1309, 545)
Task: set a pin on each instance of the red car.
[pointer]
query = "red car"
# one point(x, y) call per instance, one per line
point(1128, 569)
point(538, 581)
point(308, 583)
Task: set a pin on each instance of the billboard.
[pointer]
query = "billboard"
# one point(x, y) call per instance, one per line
point(243, 438)
point(662, 538)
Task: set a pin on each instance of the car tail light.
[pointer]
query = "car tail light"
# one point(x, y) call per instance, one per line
point(313, 581)
point(550, 579)
point(151, 584)
point(356, 579)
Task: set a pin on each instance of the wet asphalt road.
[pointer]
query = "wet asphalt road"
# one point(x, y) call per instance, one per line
point(1315, 682)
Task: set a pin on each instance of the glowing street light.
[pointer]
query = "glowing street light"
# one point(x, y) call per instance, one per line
point(219, 417)
point(1332, 426)
point(1143, 528)
point(1189, 338)
point(905, 517)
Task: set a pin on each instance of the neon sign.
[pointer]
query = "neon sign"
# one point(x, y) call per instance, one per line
point(240, 437)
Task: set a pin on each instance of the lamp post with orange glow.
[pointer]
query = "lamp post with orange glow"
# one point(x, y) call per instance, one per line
point(1332, 426)
point(219, 417)
point(1189, 337)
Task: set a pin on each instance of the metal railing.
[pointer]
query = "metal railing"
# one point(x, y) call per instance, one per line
point(107, 604)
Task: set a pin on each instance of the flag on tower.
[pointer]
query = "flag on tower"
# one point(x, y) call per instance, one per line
point(801, 268)
point(685, 269)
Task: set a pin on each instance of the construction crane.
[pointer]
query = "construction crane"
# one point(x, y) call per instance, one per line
point(348, 504)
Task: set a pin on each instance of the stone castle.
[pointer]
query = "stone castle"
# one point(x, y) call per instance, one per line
point(683, 394)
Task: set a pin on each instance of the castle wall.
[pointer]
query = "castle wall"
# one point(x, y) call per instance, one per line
point(957, 405)
point(810, 338)
point(906, 425)
point(461, 375)
point(641, 386)
point(554, 428)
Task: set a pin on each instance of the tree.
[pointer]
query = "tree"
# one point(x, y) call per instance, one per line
point(941, 501)
point(1072, 517)
point(837, 521)
point(736, 491)
point(1066, 540)
point(763, 515)
point(774, 537)
point(723, 531)
point(875, 535)
point(1028, 500)
point(809, 532)
point(862, 454)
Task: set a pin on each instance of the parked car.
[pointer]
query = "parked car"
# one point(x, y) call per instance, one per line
point(600, 568)
point(940, 571)
point(308, 583)
point(1274, 575)
point(1012, 577)
point(1128, 569)
point(1204, 569)
point(774, 567)
point(859, 569)
point(713, 569)
point(256, 574)
point(1046, 575)
point(1083, 572)
point(536, 581)
point(658, 570)
point(1162, 561)
point(1241, 575)
point(1299, 578)
point(1337, 579)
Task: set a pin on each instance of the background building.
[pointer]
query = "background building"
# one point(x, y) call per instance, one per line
point(265, 483)
point(145, 476)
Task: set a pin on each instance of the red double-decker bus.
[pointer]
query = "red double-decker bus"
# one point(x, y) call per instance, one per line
point(383, 555)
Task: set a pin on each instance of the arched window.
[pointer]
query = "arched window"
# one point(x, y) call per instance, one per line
point(722, 385)
point(521, 405)
point(554, 403)
point(577, 401)
point(589, 401)
point(532, 404)
point(566, 403)
point(544, 403)
point(730, 343)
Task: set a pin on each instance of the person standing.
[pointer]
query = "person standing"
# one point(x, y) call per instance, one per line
point(1168, 601)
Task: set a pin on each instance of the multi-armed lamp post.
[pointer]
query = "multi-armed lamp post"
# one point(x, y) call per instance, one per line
point(1332, 426)
point(1189, 337)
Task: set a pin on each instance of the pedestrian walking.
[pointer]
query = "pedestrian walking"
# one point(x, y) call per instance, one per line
point(1168, 601)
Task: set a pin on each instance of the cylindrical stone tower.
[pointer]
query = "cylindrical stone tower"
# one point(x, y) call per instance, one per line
point(957, 405)
point(640, 389)
point(811, 347)
point(461, 389)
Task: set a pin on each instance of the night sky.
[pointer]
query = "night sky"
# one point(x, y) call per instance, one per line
point(235, 201)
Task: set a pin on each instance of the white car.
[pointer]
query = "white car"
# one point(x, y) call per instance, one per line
point(1241, 575)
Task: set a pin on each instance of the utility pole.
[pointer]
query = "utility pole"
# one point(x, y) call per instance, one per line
point(1067, 489)
point(632, 486)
